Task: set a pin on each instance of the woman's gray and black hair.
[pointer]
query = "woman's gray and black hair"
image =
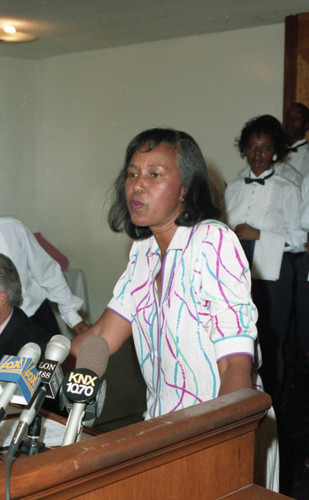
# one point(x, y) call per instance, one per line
point(193, 174)
point(9, 281)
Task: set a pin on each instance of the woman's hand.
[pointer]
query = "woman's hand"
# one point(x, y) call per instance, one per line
point(246, 232)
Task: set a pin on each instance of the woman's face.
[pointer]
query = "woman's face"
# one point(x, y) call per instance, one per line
point(259, 152)
point(153, 189)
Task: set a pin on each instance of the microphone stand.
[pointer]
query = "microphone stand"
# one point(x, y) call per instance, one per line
point(32, 445)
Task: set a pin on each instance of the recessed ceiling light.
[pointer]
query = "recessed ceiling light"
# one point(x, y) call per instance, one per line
point(8, 33)
point(8, 28)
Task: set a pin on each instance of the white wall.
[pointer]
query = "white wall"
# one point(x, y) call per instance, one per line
point(66, 140)
point(17, 137)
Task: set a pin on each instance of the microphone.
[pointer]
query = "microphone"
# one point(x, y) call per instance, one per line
point(82, 387)
point(49, 368)
point(51, 374)
point(21, 376)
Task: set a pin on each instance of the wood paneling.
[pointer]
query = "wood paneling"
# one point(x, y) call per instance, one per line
point(296, 62)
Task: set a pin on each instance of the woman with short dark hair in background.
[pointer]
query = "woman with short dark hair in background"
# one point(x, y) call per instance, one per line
point(263, 208)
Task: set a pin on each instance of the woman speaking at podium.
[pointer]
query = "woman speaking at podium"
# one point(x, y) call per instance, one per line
point(185, 294)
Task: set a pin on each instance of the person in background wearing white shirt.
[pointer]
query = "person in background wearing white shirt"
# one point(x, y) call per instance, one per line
point(296, 123)
point(303, 337)
point(263, 208)
point(41, 278)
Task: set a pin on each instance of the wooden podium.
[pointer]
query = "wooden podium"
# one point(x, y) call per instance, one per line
point(202, 452)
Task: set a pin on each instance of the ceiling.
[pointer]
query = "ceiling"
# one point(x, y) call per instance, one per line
point(67, 26)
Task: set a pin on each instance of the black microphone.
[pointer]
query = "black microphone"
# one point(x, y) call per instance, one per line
point(20, 374)
point(82, 387)
point(51, 374)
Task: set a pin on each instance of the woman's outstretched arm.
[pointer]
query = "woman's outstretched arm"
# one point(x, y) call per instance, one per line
point(115, 329)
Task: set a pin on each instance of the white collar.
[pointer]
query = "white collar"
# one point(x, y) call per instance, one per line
point(295, 144)
point(264, 174)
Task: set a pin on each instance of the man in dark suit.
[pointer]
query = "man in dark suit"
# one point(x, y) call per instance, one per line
point(16, 329)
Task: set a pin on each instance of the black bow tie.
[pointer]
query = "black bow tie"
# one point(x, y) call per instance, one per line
point(249, 180)
point(295, 148)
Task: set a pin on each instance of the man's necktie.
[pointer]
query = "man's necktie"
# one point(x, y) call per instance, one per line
point(249, 180)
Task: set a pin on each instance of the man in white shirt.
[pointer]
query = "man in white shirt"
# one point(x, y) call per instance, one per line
point(41, 278)
point(295, 124)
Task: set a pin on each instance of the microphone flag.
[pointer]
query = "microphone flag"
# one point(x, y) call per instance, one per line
point(51, 374)
point(81, 385)
point(21, 371)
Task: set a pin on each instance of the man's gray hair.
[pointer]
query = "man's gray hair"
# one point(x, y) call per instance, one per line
point(9, 281)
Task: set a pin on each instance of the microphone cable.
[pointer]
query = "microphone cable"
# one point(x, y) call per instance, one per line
point(9, 462)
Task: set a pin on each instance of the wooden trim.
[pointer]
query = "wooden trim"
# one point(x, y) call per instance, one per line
point(290, 61)
point(254, 492)
point(296, 60)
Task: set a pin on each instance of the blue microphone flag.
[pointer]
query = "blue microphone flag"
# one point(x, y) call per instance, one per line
point(23, 372)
